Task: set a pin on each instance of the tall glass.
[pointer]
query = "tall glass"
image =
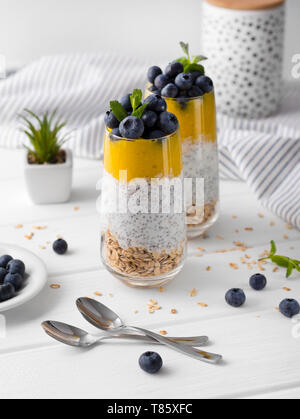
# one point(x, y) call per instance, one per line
point(198, 130)
point(143, 231)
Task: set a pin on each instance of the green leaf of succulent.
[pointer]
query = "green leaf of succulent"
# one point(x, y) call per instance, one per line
point(197, 58)
point(118, 110)
point(185, 48)
point(188, 68)
point(140, 111)
point(136, 99)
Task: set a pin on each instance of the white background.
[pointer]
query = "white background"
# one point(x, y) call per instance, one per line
point(31, 28)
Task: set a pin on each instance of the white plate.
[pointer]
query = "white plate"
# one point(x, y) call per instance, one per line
point(36, 276)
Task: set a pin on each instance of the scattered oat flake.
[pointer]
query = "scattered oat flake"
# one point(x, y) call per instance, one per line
point(287, 289)
point(233, 265)
point(285, 236)
point(135, 311)
point(18, 226)
point(199, 255)
point(248, 229)
point(292, 247)
point(161, 289)
point(201, 249)
point(98, 294)
point(153, 306)
point(163, 332)
point(202, 305)
point(275, 269)
point(193, 293)
point(289, 227)
point(277, 308)
point(261, 215)
point(260, 267)
point(272, 223)
point(39, 227)
point(220, 237)
point(174, 311)
point(236, 230)
point(265, 253)
point(42, 247)
point(208, 268)
point(247, 257)
point(55, 286)
point(234, 217)
point(48, 242)
point(110, 294)
point(76, 208)
point(29, 236)
point(243, 260)
point(239, 244)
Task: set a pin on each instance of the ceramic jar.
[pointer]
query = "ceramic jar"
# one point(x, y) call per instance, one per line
point(244, 43)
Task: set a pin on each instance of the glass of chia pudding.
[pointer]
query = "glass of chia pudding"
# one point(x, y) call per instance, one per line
point(143, 229)
point(189, 95)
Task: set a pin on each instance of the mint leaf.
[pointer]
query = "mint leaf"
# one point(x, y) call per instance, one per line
point(289, 269)
point(194, 67)
point(273, 248)
point(118, 110)
point(196, 59)
point(136, 99)
point(140, 111)
point(184, 61)
point(185, 49)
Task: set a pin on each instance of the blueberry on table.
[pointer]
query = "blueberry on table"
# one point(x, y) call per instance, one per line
point(235, 297)
point(258, 282)
point(149, 118)
point(7, 292)
point(16, 266)
point(126, 103)
point(184, 81)
point(168, 122)
point(156, 103)
point(205, 84)
point(170, 90)
point(132, 127)
point(289, 308)
point(60, 246)
point(14, 279)
point(110, 120)
point(150, 362)
point(173, 69)
point(195, 91)
point(3, 273)
point(153, 72)
point(4, 260)
point(161, 81)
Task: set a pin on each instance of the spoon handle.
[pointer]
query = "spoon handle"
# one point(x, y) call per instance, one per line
point(181, 347)
point(188, 341)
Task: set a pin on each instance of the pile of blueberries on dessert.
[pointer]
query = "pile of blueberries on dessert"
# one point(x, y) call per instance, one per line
point(176, 83)
point(12, 275)
point(133, 118)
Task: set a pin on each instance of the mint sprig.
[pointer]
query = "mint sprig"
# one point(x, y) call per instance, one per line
point(191, 63)
point(282, 261)
point(137, 109)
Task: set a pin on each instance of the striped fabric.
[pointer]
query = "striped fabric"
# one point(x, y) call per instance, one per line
point(264, 153)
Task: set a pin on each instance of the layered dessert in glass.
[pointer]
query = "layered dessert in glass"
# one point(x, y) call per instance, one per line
point(143, 231)
point(189, 94)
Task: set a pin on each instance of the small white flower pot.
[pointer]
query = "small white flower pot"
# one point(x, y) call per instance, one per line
point(49, 183)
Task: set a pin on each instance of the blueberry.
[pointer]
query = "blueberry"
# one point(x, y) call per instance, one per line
point(168, 122)
point(205, 84)
point(195, 75)
point(126, 103)
point(161, 81)
point(235, 297)
point(153, 72)
point(116, 132)
point(155, 134)
point(258, 282)
point(289, 308)
point(16, 266)
point(170, 90)
point(150, 362)
point(184, 81)
point(3, 273)
point(15, 279)
point(195, 91)
point(156, 103)
point(152, 88)
point(173, 69)
point(110, 120)
point(149, 118)
point(132, 127)
point(60, 246)
point(7, 292)
point(4, 261)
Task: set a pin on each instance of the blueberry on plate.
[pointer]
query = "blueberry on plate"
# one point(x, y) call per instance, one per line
point(258, 282)
point(235, 297)
point(155, 134)
point(150, 362)
point(3, 273)
point(110, 120)
point(14, 279)
point(126, 103)
point(289, 308)
point(4, 261)
point(156, 103)
point(60, 246)
point(173, 69)
point(149, 118)
point(184, 81)
point(195, 91)
point(153, 72)
point(168, 122)
point(16, 266)
point(7, 292)
point(170, 90)
point(132, 127)
point(161, 81)
point(205, 84)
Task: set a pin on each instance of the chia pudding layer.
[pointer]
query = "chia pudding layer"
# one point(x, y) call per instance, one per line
point(135, 241)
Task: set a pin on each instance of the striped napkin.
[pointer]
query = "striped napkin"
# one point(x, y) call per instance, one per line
point(264, 153)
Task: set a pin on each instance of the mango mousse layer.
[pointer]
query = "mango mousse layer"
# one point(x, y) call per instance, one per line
point(142, 158)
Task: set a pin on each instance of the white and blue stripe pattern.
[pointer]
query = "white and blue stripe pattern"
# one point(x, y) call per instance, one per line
point(264, 153)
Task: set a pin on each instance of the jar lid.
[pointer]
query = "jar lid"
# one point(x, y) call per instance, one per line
point(246, 4)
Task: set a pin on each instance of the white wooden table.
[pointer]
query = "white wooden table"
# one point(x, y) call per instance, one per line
point(261, 358)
